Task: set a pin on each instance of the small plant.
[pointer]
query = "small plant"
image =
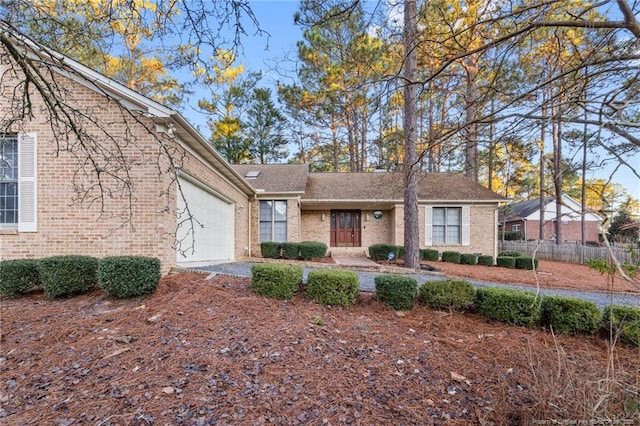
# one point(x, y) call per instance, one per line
point(485, 260)
point(64, 276)
point(18, 276)
point(524, 262)
point(379, 252)
point(510, 253)
point(399, 291)
point(270, 249)
point(333, 287)
point(317, 320)
point(429, 254)
point(275, 280)
point(570, 315)
point(451, 256)
point(468, 259)
point(312, 249)
point(129, 276)
point(508, 305)
point(447, 294)
point(623, 321)
point(506, 262)
point(290, 251)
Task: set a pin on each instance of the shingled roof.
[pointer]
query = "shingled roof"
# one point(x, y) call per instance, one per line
point(275, 178)
point(523, 209)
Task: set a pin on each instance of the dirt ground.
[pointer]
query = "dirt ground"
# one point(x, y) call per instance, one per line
point(209, 351)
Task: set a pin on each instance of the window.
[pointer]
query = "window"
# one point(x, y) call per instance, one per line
point(515, 227)
point(9, 180)
point(447, 225)
point(273, 221)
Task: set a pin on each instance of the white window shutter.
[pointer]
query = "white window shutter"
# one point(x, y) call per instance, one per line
point(27, 183)
point(428, 226)
point(466, 225)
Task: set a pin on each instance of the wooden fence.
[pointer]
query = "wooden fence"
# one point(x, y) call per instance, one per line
point(570, 253)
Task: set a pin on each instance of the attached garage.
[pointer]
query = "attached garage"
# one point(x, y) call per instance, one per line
point(209, 237)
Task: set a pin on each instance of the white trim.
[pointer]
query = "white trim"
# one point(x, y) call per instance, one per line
point(428, 225)
point(27, 182)
point(466, 226)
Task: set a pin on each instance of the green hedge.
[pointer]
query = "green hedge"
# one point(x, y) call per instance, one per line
point(18, 276)
point(312, 249)
point(290, 251)
point(506, 262)
point(623, 321)
point(451, 256)
point(128, 276)
point(381, 251)
point(270, 250)
point(508, 305)
point(485, 260)
point(510, 253)
point(399, 291)
point(570, 315)
point(525, 262)
point(275, 280)
point(429, 254)
point(63, 276)
point(333, 287)
point(447, 294)
point(468, 259)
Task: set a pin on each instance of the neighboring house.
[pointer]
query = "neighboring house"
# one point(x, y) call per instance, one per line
point(50, 202)
point(524, 217)
point(351, 211)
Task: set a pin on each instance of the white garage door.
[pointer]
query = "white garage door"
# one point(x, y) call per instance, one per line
point(211, 238)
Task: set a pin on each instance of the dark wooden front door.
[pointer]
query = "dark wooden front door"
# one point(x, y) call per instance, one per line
point(345, 228)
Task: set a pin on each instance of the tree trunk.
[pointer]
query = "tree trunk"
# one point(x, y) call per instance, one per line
point(557, 172)
point(471, 128)
point(543, 135)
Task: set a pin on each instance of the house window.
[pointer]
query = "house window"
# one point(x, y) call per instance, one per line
point(447, 225)
point(273, 221)
point(9, 180)
point(515, 227)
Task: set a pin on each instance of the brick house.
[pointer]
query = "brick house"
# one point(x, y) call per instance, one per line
point(351, 211)
point(524, 217)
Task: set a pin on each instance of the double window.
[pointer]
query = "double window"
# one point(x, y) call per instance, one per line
point(18, 182)
point(273, 220)
point(9, 180)
point(447, 225)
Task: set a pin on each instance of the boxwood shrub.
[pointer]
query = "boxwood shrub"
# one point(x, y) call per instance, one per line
point(275, 280)
point(270, 249)
point(333, 287)
point(510, 253)
point(508, 305)
point(451, 256)
point(128, 276)
point(623, 321)
point(506, 262)
point(64, 276)
point(312, 249)
point(485, 260)
point(525, 262)
point(570, 315)
point(429, 254)
point(18, 276)
point(290, 250)
point(399, 291)
point(447, 294)
point(468, 259)
point(381, 251)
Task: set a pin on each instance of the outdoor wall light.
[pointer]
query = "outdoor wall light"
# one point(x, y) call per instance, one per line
point(377, 215)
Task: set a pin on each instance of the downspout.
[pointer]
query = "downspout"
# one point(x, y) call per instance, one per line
point(249, 202)
point(525, 229)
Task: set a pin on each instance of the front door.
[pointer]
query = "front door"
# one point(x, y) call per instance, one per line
point(345, 228)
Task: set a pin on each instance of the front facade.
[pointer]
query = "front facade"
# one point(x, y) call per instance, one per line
point(351, 211)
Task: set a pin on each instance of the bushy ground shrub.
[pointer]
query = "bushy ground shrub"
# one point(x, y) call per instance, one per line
point(451, 256)
point(333, 287)
point(312, 249)
point(18, 276)
point(63, 276)
point(623, 321)
point(485, 260)
point(381, 251)
point(290, 251)
point(570, 315)
point(275, 280)
point(506, 262)
point(399, 291)
point(525, 262)
point(429, 254)
point(270, 250)
point(447, 294)
point(508, 305)
point(468, 259)
point(128, 276)
point(510, 253)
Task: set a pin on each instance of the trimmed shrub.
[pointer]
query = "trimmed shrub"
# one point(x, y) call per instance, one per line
point(429, 254)
point(333, 287)
point(399, 291)
point(128, 276)
point(485, 260)
point(64, 276)
point(508, 305)
point(448, 294)
point(290, 251)
point(623, 321)
point(270, 249)
point(570, 315)
point(506, 262)
point(18, 276)
point(468, 259)
point(510, 253)
point(525, 262)
point(275, 280)
point(381, 251)
point(400, 252)
point(312, 249)
point(451, 256)
point(513, 236)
